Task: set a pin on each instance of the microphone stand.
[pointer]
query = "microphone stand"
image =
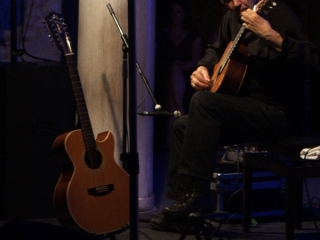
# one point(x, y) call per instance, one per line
point(13, 31)
point(157, 106)
point(124, 38)
point(131, 158)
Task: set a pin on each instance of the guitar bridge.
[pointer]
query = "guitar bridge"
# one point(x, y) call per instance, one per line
point(101, 190)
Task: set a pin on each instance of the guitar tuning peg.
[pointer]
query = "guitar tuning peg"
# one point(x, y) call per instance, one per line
point(272, 4)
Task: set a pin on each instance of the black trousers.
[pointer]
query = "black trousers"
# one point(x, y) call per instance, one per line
point(217, 119)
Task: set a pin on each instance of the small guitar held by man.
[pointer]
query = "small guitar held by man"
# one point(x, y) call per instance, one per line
point(228, 74)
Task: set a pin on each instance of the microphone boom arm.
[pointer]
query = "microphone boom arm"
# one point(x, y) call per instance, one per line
point(157, 106)
point(146, 83)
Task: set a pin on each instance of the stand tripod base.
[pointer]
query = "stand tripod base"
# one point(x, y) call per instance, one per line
point(196, 220)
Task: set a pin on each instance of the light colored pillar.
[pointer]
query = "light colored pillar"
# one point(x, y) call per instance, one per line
point(100, 68)
point(145, 41)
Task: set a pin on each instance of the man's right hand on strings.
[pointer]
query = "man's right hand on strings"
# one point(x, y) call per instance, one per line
point(200, 78)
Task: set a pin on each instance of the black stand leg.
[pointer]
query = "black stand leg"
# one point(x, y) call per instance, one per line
point(246, 195)
point(131, 159)
point(291, 199)
point(195, 220)
point(13, 23)
point(111, 237)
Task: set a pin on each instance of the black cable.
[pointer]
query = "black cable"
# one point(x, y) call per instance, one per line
point(24, 33)
point(308, 194)
point(311, 207)
point(144, 234)
point(230, 198)
point(219, 227)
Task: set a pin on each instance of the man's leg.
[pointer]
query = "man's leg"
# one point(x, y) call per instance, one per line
point(216, 119)
point(176, 183)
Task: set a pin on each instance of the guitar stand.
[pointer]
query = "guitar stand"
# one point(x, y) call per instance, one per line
point(112, 235)
point(196, 220)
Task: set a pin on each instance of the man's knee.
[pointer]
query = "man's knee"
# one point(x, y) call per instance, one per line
point(203, 99)
point(199, 98)
point(181, 122)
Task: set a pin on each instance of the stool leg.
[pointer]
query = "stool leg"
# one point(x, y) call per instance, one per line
point(298, 204)
point(246, 194)
point(291, 200)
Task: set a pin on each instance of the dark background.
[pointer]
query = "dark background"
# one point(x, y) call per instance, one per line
point(26, 170)
point(206, 15)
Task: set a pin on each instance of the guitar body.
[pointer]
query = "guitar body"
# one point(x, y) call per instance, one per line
point(92, 192)
point(229, 72)
point(228, 75)
point(95, 199)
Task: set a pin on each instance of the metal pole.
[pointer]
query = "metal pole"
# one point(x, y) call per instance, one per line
point(13, 29)
point(134, 159)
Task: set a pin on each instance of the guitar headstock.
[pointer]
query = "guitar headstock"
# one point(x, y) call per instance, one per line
point(263, 6)
point(59, 31)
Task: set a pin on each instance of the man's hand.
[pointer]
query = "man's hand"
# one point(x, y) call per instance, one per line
point(200, 78)
point(262, 28)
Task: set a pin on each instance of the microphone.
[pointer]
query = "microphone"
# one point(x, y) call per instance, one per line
point(175, 114)
point(110, 9)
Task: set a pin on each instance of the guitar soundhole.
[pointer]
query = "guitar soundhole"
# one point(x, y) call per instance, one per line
point(93, 160)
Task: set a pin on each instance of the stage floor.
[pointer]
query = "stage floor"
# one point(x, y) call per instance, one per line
point(43, 229)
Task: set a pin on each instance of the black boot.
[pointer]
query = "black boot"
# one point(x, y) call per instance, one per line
point(198, 198)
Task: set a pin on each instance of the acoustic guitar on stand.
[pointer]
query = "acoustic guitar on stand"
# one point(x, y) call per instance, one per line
point(230, 71)
point(92, 192)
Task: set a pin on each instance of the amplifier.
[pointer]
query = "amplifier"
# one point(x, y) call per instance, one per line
point(268, 197)
point(37, 105)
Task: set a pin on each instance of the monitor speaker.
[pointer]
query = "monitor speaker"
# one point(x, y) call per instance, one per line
point(36, 106)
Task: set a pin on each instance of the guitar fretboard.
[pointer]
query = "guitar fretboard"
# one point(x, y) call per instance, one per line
point(234, 46)
point(81, 103)
point(257, 8)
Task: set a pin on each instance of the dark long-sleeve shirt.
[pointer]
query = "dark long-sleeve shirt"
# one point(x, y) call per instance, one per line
point(279, 78)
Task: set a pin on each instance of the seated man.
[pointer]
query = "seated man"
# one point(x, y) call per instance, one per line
point(271, 102)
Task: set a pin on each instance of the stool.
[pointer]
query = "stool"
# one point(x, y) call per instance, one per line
point(292, 168)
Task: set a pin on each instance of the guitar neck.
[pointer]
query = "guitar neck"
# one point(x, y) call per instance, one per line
point(232, 49)
point(80, 102)
point(237, 41)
